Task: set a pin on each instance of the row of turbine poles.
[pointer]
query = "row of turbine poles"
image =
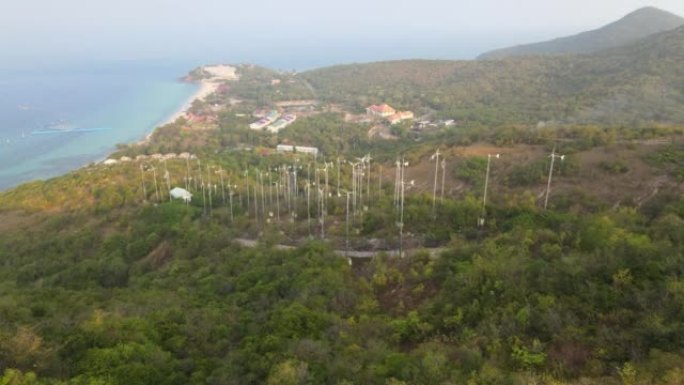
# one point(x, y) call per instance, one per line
point(266, 194)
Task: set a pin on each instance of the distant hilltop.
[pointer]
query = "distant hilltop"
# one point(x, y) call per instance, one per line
point(219, 72)
point(637, 25)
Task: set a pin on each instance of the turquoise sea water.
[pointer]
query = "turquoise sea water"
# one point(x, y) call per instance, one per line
point(125, 101)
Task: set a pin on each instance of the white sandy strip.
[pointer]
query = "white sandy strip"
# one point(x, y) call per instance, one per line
point(206, 88)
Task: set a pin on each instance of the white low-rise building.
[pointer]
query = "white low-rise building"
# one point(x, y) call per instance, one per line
point(181, 193)
point(281, 148)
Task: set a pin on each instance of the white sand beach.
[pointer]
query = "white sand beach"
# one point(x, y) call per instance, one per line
point(219, 74)
point(206, 88)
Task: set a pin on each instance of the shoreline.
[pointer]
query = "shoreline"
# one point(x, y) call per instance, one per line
point(206, 88)
point(219, 74)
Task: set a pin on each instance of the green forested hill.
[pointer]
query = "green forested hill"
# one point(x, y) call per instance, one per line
point(160, 295)
point(631, 28)
point(633, 85)
point(104, 280)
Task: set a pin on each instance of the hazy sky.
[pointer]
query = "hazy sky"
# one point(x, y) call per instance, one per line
point(246, 29)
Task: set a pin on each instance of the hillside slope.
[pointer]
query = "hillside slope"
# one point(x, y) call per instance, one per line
point(104, 280)
point(631, 28)
point(632, 85)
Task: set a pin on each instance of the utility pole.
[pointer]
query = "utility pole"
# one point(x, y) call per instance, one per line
point(484, 195)
point(548, 183)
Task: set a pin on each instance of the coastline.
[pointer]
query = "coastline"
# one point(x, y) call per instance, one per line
point(206, 88)
point(69, 154)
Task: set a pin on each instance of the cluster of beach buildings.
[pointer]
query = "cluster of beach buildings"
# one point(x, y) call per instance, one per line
point(385, 111)
point(271, 120)
point(139, 158)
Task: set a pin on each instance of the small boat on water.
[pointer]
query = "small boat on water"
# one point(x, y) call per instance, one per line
point(64, 127)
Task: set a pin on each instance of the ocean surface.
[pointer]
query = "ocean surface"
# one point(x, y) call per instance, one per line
point(121, 101)
point(89, 108)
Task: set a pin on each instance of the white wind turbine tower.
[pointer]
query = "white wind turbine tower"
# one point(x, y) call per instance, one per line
point(346, 242)
point(230, 199)
point(209, 186)
point(443, 164)
point(256, 197)
point(270, 188)
point(263, 195)
point(368, 182)
point(397, 181)
point(308, 206)
point(277, 201)
point(322, 211)
point(223, 186)
point(296, 167)
point(379, 181)
point(247, 186)
point(435, 157)
point(403, 184)
point(142, 180)
point(187, 173)
point(548, 184)
point(481, 220)
point(286, 186)
point(354, 185)
point(359, 176)
point(327, 189)
point(339, 170)
point(167, 176)
point(296, 191)
point(156, 187)
point(204, 198)
point(201, 177)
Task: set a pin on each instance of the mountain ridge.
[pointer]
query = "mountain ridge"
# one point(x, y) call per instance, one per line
point(629, 29)
point(640, 83)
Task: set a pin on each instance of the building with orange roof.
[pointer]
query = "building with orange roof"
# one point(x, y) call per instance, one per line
point(383, 110)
